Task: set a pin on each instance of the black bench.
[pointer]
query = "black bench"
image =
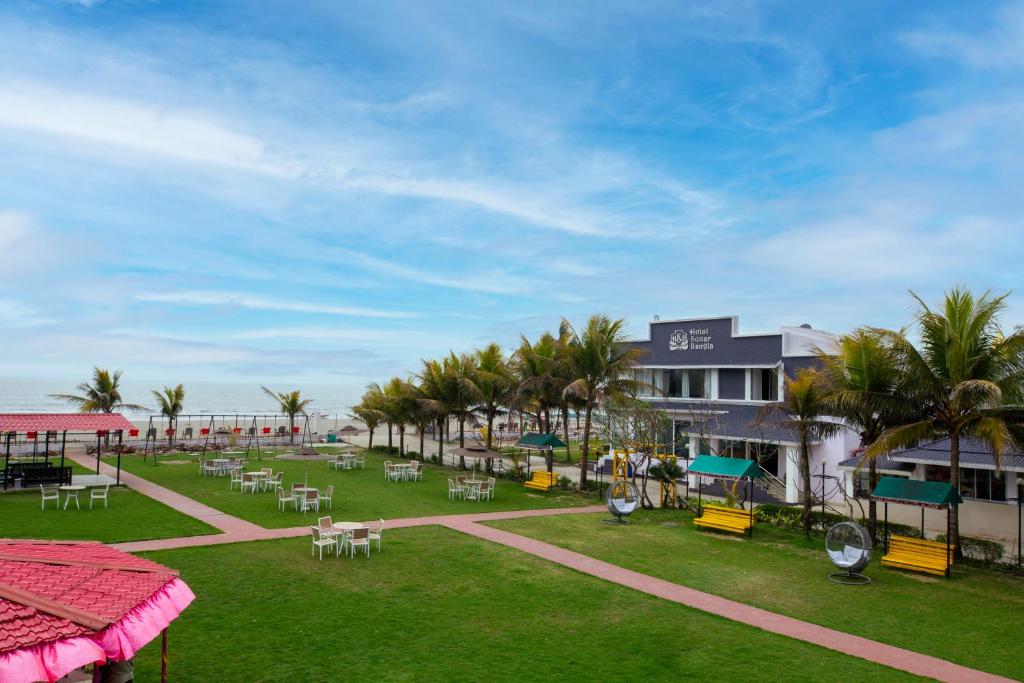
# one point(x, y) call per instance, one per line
point(36, 473)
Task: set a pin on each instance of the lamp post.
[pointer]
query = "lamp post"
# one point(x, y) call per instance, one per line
point(1020, 503)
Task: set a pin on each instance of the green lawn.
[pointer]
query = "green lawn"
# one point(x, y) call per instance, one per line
point(130, 517)
point(359, 494)
point(436, 605)
point(974, 618)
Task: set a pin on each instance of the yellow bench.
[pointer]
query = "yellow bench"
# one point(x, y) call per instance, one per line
point(918, 555)
point(725, 519)
point(542, 481)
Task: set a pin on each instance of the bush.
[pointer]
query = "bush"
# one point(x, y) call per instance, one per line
point(564, 482)
point(384, 450)
point(792, 517)
point(978, 549)
point(412, 455)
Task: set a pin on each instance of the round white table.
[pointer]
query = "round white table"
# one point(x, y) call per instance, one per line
point(71, 491)
point(347, 526)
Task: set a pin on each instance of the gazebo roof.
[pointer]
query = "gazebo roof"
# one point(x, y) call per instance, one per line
point(63, 422)
point(538, 440)
point(932, 494)
point(67, 604)
point(725, 468)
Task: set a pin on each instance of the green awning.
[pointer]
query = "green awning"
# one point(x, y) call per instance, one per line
point(725, 468)
point(540, 441)
point(932, 494)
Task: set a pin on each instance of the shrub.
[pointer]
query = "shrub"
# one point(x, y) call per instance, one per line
point(384, 450)
point(564, 482)
point(412, 455)
point(978, 549)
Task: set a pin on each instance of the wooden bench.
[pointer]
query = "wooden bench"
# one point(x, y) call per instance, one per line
point(918, 555)
point(725, 519)
point(542, 481)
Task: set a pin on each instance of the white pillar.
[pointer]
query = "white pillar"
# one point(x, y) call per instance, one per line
point(694, 452)
point(792, 475)
point(848, 482)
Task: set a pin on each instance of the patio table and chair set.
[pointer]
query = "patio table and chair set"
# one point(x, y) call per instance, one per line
point(403, 471)
point(467, 488)
point(342, 535)
point(52, 492)
point(304, 498)
point(221, 467)
point(347, 461)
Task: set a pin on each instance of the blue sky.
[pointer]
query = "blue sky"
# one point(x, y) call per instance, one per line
point(328, 192)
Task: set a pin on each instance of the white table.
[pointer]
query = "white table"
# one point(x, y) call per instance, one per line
point(71, 491)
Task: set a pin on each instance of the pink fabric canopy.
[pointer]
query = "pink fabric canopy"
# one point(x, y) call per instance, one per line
point(55, 594)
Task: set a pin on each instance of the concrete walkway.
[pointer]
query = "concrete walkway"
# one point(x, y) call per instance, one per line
point(238, 530)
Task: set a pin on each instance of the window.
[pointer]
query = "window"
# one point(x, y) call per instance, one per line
point(680, 383)
point(732, 449)
point(976, 484)
point(861, 485)
point(645, 380)
point(764, 384)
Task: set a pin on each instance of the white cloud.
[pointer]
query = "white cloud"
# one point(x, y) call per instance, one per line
point(17, 314)
point(256, 302)
point(169, 133)
point(1001, 46)
point(14, 227)
point(493, 282)
point(330, 334)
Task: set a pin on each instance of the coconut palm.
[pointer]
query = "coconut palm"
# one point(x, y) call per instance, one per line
point(398, 405)
point(540, 381)
point(601, 365)
point(103, 395)
point(368, 412)
point(864, 387)
point(966, 379)
point(291, 404)
point(463, 392)
point(803, 410)
point(493, 379)
point(170, 401)
point(434, 387)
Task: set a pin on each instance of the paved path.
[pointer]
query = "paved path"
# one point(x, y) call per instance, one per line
point(238, 530)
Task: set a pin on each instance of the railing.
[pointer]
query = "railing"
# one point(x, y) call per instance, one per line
point(772, 485)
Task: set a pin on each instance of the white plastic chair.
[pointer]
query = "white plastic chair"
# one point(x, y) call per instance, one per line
point(249, 483)
point(454, 490)
point(375, 534)
point(387, 470)
point(320, 541)
point(326, 497)
point(284, 499)
point(49, 493)
point(359, 538)
point(311, 501)
point(99, 494)
point(416, 471)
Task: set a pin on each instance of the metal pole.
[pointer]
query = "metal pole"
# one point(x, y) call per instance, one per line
point(750, 494)
point(7, 460)
point(922, 522)
point(949, 514)
point(163, 656)
point(63, 445)
point(120, 440)
point(823, 492)
point(887, 527)
point(98, 443)
point(1020, 489)
point(46, 449)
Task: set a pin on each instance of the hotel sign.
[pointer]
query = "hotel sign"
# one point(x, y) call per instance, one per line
point(693, 339)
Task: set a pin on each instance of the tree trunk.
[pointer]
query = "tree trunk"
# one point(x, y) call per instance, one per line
point(462, 440)
point(423, 455)
point(371, 437)
point(490, 427)
point(805, 475)
point(440, 441)
point(565, 432)
point(586, 444)
point(954, 479)
point(390, 442)
point(291, 429)
point(872, 507)
point(401, 440)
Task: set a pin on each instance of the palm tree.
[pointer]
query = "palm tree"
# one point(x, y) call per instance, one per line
point(540, 381)
point(863, 385)
point(398, 406)
point(463, 393)
point(435, 387)
point(423, 413)
point(369, 411)
point(967, 379)
point(170, 401)
point(803, 409)
point(601, 366)
point(493, 378)
point(102, 396)
point(291, 404)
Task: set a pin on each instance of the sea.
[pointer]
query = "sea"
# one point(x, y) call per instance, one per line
point(34, 395)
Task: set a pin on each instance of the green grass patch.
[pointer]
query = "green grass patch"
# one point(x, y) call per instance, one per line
point(436, 605)
point(129, 517)
point(359, 494)
point(965, 619)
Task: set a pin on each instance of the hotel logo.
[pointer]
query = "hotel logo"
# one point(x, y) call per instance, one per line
point(694, 339)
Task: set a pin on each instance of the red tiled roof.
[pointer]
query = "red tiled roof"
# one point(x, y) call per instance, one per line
point(91, 577)
point(62, 422)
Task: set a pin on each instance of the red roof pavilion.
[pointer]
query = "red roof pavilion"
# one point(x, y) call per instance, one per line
point(64, 605)
point(63, 422)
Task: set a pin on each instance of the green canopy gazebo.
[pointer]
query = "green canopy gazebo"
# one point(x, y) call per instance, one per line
point(719, 467)
point(936, 495)
point(535, 441)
